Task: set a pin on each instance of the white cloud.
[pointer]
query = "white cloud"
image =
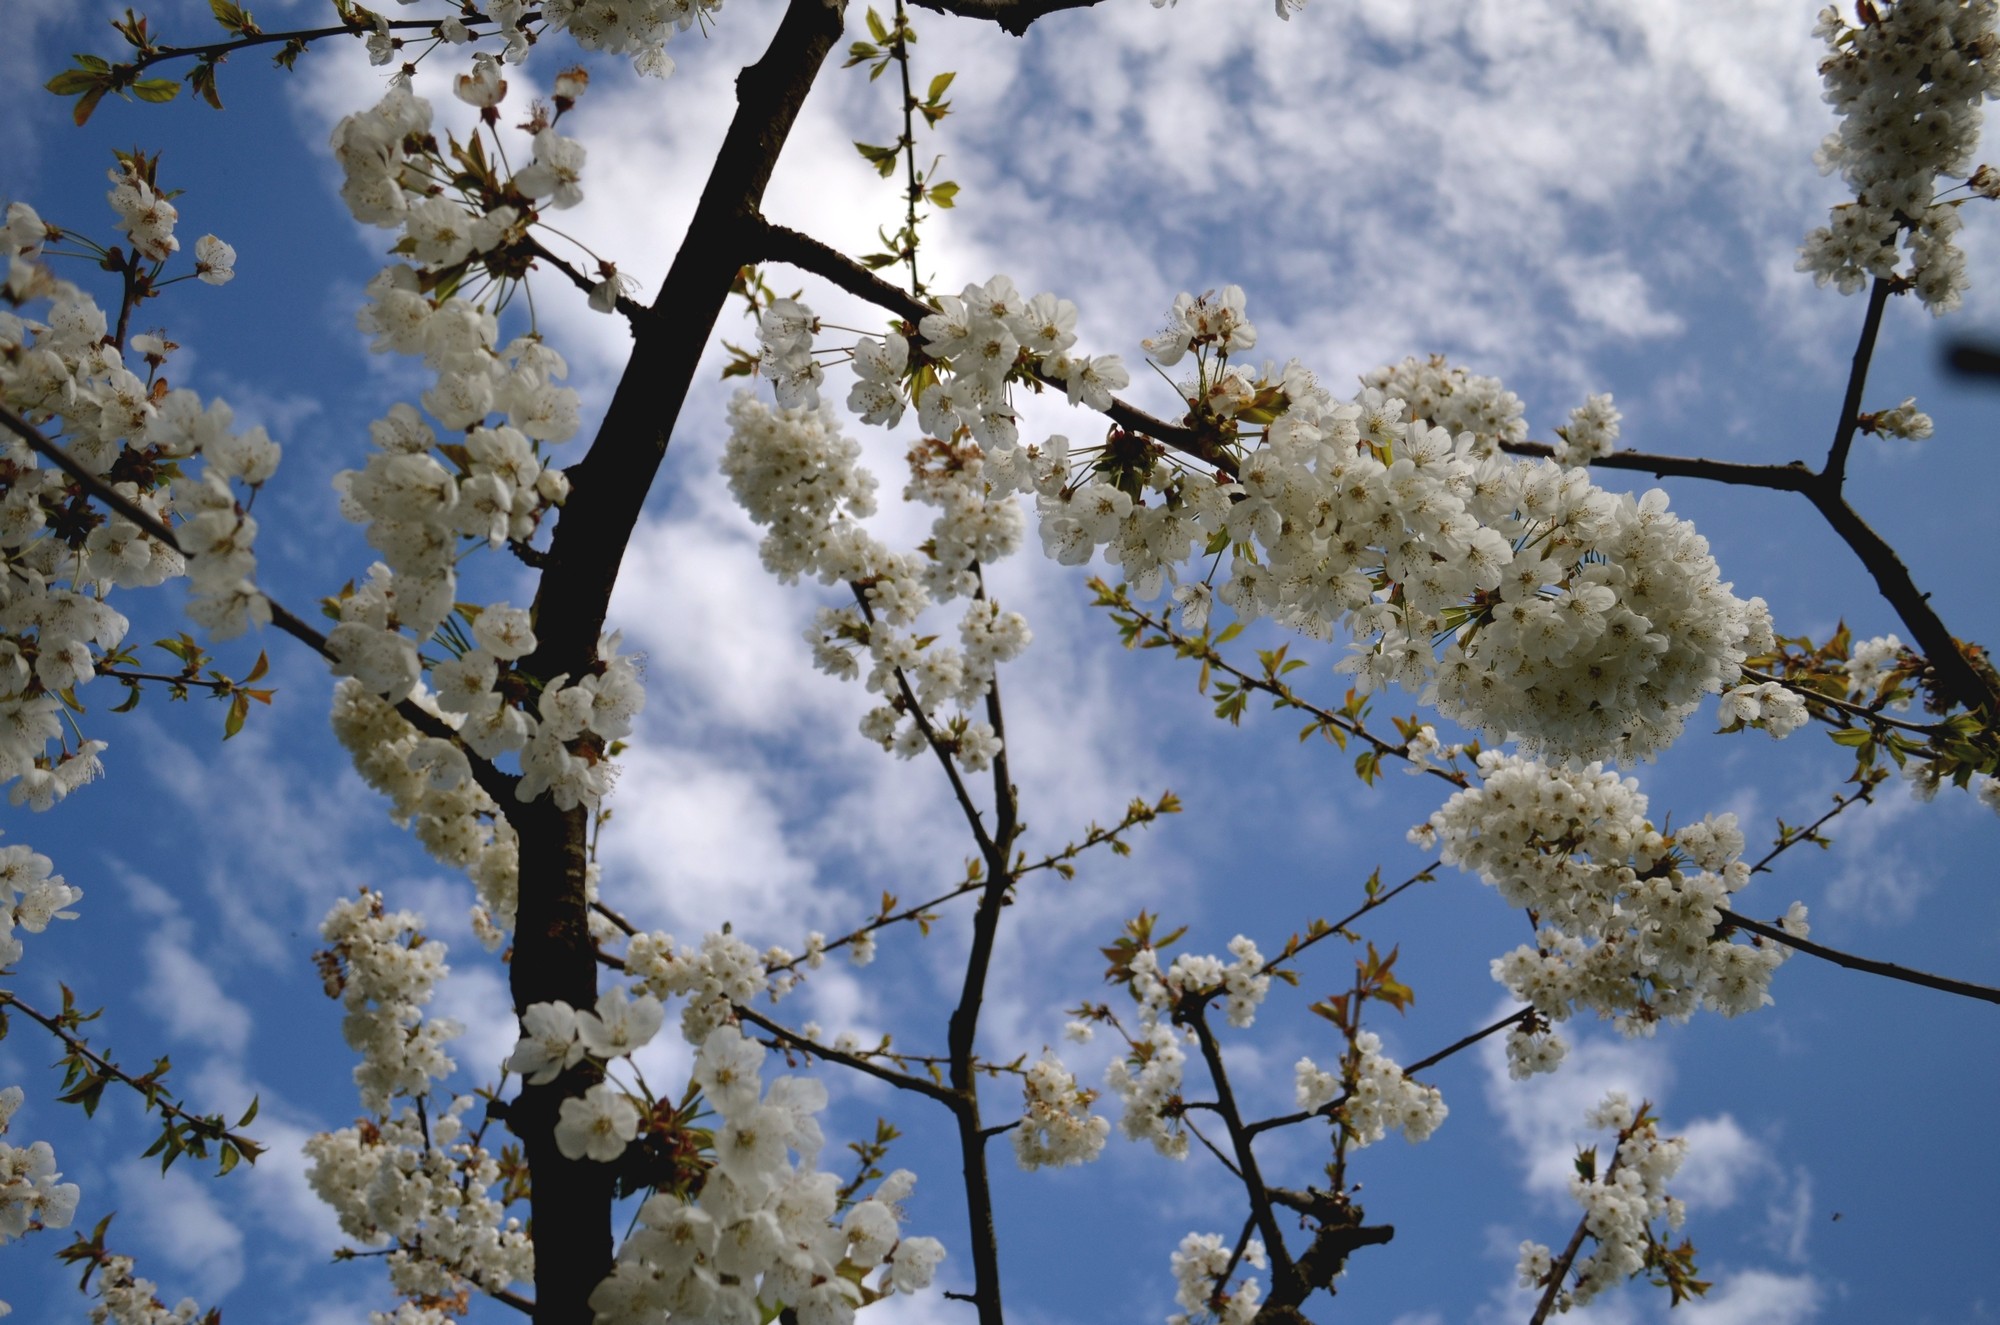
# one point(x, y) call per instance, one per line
point(1722, 1158)
point(1756, 1297)
point(1880, 878)
point(175, 1217)
point(1789, 1216)
point(1544, 1115)
point(181, 987)
point(184, 993)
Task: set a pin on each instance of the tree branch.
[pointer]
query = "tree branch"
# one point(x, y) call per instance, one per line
point(1010, 16)
point(1909, 975)
point(900, 1080)
point(496, 784)
point(776, 243)
point(1835, 469)
point(1282, 1269)
point(149, 1088)
point(1793, 477)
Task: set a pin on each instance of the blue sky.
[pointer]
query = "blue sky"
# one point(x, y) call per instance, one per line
point(1576, 199)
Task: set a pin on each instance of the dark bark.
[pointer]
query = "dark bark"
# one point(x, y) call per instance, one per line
point(553, 954)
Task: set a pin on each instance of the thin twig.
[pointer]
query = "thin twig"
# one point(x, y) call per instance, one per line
point(209, 1127)
point(902, 1081)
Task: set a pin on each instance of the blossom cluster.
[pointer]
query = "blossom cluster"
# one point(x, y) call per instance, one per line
point(123, 1298)
point(1200, 1265)
point(1767, 704)
point(383, 970)
point(1148, 1080)
point(1452, 398)
point(1057, 1127)
point(723, 971)
point(1908, 84)
point(1575, 621)
point(419, 1185)
point(390, 163)
point(30, 897)
point(793, 472)
point(1376, 1095)
point(763, 1228)
point(1629, 915)
point(68, 378)
point(1620, 1204)
point(412, 1181)
point(602, 1121)
point(1381, 1097)
point(30, 1195)
point(977, 342)
point(638, 28)
point(429, 785)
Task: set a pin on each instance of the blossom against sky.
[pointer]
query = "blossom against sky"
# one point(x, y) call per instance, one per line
point(1574, 203)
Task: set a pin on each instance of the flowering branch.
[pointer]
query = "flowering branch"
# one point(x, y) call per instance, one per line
point(989, 847)
point(1192, 1013)
point(1457, 1046)
point(776, 243)
point(87, 1072)
point(1957, 676)
point(1337, 725)
point(1560, 1270)
point(498, 785)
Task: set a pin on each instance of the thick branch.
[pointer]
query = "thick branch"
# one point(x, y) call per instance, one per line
point(554, 957)
point(1012, 16)
point(1956, 676)
point(1282, 1269)
point(1963, 988)
point(609, 486)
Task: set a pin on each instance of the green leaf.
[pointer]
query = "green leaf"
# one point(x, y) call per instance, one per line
point(876, 28)
point(239, 709)
point(234, 17)
point(942, 194)
point(157, 90)
point(71, 82)
point(938, 85)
